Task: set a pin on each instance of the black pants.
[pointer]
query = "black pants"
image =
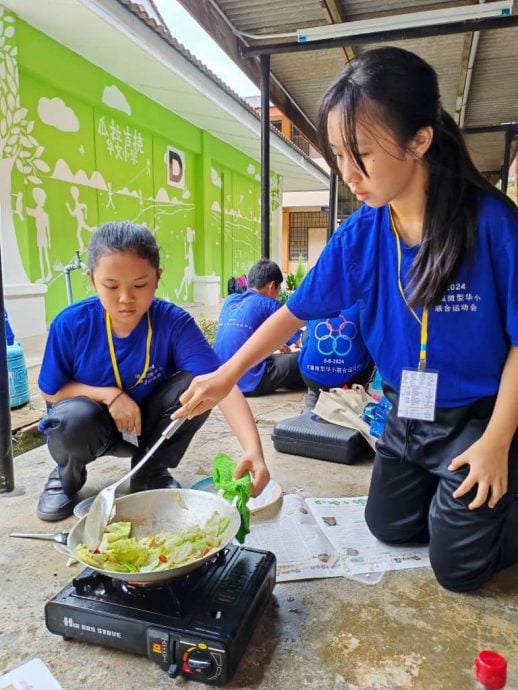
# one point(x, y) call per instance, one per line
point(410, 497)
point(80, 430)
point(282, 371)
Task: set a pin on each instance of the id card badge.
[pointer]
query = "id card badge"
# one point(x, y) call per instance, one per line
point(417, 394)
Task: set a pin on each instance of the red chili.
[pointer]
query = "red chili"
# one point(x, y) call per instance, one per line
point(97, 551)
point(162, 558)
point(205, 551)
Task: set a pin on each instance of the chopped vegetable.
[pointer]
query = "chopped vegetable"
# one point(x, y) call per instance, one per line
point(120, 552)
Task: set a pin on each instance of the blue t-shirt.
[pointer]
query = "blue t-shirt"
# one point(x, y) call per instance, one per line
point(470, 330)
point(77, 349)
point(333, 351)
point(241, 315)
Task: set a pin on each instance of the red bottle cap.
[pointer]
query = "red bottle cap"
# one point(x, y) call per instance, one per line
point(491, 669)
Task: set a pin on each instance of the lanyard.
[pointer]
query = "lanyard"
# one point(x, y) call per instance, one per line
point(424, 320)
point(113, 356)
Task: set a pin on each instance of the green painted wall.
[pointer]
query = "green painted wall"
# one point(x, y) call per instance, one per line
point(87, 148)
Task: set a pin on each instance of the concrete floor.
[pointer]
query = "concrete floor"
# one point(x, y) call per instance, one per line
point(405, 632)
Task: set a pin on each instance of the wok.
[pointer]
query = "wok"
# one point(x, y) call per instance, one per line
point(163, 510)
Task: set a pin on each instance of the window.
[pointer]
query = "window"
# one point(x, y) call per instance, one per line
point(300, 223)
point(298, 244)
point(347, 202)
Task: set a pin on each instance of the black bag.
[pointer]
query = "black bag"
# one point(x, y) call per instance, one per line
point(237, 285)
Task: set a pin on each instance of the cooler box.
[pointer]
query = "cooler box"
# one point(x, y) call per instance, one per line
point(309, 435)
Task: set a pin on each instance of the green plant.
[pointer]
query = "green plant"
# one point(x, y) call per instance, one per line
point(293, 280)
point(291, 283)
point(300, 272)
point(208, 328)
point(283, 296)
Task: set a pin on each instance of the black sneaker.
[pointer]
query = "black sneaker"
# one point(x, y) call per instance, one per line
point(54, 504)
point(153, 478)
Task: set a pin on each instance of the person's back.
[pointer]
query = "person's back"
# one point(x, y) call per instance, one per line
point(334, 354)
point(241, 315)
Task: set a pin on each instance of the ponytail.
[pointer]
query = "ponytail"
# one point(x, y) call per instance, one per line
point(451, 215)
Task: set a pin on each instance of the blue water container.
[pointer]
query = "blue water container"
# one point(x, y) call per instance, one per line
point(18, 378)
point(9, 335)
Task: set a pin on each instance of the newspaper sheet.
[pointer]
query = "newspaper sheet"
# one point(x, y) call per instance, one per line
point(328, 537)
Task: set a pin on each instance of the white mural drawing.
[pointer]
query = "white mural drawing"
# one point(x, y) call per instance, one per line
point(109, 202)
point(62, 172)
point(18, 207)
point(114, 98)
point(188, 272)
point(55, 113)
point(79, 211)
point(41, 218)
point(17, 147)
point(215, 178)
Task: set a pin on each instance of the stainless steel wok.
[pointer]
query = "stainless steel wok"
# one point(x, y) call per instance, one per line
point(163, 510)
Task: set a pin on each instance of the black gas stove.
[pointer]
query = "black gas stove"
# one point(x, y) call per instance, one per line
point(197, 626)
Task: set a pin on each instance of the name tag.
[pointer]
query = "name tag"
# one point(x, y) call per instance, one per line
point(418, 394)
point(130, 437)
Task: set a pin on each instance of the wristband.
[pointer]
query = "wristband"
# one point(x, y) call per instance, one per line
point(115, 398)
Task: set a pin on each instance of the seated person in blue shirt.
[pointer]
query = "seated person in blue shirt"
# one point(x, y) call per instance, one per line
point(241, 315)
point(333, 354)
point(113, 369)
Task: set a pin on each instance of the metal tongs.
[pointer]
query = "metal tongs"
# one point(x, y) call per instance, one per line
point(101, 509)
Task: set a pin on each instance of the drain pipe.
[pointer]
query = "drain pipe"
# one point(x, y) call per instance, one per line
point(75, 265)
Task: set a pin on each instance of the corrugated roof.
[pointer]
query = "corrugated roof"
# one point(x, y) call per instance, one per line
point(299, 78)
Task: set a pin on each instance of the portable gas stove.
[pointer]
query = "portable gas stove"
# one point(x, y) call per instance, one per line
point(197, 625)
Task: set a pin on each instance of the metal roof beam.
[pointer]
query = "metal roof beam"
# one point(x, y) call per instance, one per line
point(334, 14)
point(499, 127)
point(415, 32)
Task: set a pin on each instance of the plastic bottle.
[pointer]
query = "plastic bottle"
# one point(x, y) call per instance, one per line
point(375, 388)
point(19, 393)
point(9, 335)
point(490, 670)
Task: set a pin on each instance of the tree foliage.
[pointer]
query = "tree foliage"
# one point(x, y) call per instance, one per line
point(16, 139)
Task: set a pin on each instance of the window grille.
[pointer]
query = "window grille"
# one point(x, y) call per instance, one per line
point(299, 139)
point(300, 223)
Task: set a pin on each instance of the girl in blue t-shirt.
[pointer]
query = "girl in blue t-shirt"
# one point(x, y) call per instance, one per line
point(113, 369)
point(432, 259)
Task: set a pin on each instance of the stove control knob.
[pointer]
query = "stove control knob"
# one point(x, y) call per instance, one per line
point(199, 661)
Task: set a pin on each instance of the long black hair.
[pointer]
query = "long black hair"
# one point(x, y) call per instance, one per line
point(399, 89)
point(123, 236)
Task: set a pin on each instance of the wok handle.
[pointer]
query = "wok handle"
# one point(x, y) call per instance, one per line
point(28, 535)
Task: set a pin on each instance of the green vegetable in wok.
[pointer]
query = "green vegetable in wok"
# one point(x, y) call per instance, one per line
point(123, 553)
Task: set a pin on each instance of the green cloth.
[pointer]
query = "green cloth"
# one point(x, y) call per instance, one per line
point(222, 470)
